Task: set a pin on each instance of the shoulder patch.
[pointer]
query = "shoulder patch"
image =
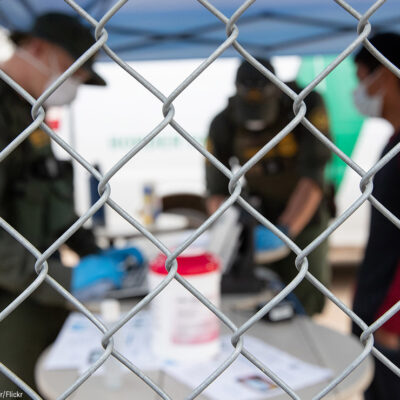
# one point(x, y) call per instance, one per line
point(288, 147)
point(319, 119)
point(39, 138)
point(210, 148)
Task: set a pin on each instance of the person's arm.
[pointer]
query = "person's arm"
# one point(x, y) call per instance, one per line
point(213, 202)
point(56, 210)
point(83, 242)
point(62, 215)
point(17, 264)
point(301, 207)
point(309, 192)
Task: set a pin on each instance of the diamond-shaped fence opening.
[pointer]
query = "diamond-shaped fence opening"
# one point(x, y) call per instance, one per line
point(42, 275)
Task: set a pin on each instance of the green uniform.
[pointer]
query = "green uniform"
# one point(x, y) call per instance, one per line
point(273, 179)
point(36, 199)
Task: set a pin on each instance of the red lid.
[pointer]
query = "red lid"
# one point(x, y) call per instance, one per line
point(190, 264)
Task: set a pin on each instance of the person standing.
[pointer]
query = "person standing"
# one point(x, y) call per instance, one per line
point(288, 183)
point(378, 281)
point(36, 195)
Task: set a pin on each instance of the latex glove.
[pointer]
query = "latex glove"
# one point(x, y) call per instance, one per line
point(130, 256)
point(268, 246)
point(98, 273)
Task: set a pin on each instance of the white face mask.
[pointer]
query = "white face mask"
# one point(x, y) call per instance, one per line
point(66, 93)
point(368, 105)
point(371, 106)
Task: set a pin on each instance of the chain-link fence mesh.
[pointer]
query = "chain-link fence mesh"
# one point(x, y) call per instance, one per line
point(363, 29)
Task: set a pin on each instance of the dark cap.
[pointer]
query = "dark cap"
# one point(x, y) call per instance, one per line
point(388, 44)
point(250, 77)
point(65, 31)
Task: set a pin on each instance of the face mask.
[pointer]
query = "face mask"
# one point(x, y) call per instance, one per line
point(66, 93)
point(256, 115)
point(368, 105)
point(371, 106)
point(255, 124)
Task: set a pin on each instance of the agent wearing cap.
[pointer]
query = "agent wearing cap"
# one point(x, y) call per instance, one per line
point(36, 195)
point(288, 181)
point(378, 284)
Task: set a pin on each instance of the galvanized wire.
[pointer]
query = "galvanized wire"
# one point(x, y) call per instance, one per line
point(362, 29)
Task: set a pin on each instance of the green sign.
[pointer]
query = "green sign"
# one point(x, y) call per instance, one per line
point(336, 89)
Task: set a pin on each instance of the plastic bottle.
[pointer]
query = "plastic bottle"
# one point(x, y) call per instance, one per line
point(151, 205)
point(183, 327)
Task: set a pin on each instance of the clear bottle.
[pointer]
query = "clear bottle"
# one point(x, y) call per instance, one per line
point(151, 205)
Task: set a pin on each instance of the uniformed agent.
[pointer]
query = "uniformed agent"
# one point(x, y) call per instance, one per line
point(289, 180)
point(36, 194)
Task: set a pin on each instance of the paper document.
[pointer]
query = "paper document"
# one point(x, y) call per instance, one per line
point(78, 346)
point(242, 380)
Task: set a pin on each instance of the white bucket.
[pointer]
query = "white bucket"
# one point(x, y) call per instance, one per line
point(183, 328)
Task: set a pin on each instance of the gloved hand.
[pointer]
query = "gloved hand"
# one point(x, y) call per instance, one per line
point(98, 273)
point(268, 246)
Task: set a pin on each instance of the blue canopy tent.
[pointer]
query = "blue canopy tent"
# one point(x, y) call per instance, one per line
point(161, 29)
point(178, 29)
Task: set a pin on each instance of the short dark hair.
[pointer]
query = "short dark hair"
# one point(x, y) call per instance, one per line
point(249, 76)
point(388, 44)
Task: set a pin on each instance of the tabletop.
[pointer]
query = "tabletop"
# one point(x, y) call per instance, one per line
point(165, 223)
point(299, 337)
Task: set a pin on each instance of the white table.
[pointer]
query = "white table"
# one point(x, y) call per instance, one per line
point(299, 337)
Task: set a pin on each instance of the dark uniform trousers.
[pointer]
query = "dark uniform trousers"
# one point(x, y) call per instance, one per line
point(24, 334)
point(36, 199)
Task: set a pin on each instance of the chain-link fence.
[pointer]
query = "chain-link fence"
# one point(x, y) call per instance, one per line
point(363, 28)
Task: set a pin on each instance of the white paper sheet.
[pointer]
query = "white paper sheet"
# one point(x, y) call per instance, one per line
point(242, 380)
point(79, 345)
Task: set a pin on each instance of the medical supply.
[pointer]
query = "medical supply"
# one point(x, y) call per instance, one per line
point(151, 205)
point(183, 327)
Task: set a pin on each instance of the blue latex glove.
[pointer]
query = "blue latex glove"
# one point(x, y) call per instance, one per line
point(266, 239)
point(131, 254)
point(268, 246)
point(97, 273)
